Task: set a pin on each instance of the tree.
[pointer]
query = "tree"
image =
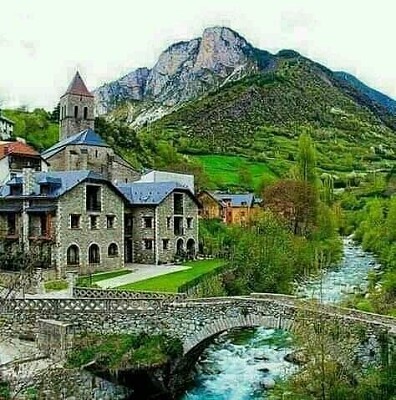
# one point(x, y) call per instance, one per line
point(306, 159)
point(295, 202)
point(54, 115)
point(245, 176)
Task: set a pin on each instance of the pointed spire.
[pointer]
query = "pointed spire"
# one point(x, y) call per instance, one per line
point(77, 86)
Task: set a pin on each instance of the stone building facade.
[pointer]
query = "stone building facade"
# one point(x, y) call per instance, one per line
point(6, 127)
point(70, 220)
point(161, 222)
point(229, 208)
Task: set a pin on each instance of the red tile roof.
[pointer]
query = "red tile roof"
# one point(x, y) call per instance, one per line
point(77, 86)
point(7, 148)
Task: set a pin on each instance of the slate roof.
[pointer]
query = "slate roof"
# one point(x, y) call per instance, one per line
point(20, 148)
point(77, 86)
point(237, 200)
point(62, 181)
point(87, 137)
point(150, 193)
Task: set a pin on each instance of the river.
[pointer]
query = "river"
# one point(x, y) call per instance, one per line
point(239, 363)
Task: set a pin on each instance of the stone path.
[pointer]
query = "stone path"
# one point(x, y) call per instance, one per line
point(140, 273)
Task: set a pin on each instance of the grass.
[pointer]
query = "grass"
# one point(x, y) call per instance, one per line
point(51, 286)
point(225, 170)
point(171, 282)
point(88, 280)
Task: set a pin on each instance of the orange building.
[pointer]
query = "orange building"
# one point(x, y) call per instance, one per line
point(230, 208)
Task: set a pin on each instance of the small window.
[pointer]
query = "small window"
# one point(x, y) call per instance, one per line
point(94, 221)
point(85, 112)
point(148, 222)
point(168, 222)
point(75, 221)
point(113, 250)
point(165, 244)
point(189, 223)
point(84, 151)
point(110, 222)
point(75, 111)
point(96, 153)
point(148, 244)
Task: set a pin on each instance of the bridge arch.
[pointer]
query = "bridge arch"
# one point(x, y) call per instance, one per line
point(212, 329)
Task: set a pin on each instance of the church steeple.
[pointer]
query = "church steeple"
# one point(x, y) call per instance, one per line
point(76, 109)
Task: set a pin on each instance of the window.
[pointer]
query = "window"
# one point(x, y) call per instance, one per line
point(75, 111)
point(73, 255)
point(93, 202)
point(189, 222)
point(148, 244)
point(16, 190)
point(165, 244)
point(112, 250)
point(94, 219)
point(178, 203)
point(75, 221)
point(128, 224)
point(148, 222)
point(96, 153)
point(11, 224)
point(168, 222)
point(178, 226)
point(94, 254)
point(110, 222)
point(85, 112)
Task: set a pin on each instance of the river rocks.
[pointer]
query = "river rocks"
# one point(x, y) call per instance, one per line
point(268, 383)
point(296, 357)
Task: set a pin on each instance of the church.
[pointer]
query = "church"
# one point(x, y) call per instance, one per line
point(79, 146)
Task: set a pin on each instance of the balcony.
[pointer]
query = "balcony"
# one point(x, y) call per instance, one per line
point(39, 234)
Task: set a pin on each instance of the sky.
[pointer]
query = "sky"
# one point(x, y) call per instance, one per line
point(43, 42)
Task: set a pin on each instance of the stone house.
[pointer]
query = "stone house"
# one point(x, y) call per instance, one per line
point(71, 220)
point(14, 156)
point(6, 127)
point(229, 208)
point(161, 222)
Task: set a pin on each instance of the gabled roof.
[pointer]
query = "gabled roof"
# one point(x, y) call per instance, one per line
point(77, 86)
point(20, 148)
point(236, 200)
point(87, 137)
point(151, 193)
point(62, 182)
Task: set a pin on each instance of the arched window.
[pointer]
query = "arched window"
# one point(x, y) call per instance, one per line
point(113, 250)
point(73, 255)
point(94, 254)
point(191, 247)
point(75, 111)
point(85, 112)
point(180, 247)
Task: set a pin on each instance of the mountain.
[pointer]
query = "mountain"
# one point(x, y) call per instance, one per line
point(374, 95)
point(190, 70)
point(184, 71)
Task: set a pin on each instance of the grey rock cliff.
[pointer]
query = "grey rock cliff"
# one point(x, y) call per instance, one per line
point(184, 71)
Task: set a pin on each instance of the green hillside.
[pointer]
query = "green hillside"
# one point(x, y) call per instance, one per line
point(39, 127)
point(235, 171)
point(261, 117)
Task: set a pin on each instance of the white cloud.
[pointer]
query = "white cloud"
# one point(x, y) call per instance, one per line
point(42, 42)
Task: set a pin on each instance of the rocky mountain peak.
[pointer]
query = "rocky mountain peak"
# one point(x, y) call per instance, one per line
point(184, 71)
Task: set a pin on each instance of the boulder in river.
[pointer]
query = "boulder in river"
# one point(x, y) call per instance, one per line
point(296, 357)
point(268, 383)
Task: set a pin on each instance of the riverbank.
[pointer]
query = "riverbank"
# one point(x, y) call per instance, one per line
point(237, 367)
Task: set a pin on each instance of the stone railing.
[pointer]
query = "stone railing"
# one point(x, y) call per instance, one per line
point(91, 293)
point(65, 306)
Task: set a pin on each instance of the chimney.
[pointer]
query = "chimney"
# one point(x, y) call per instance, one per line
point(28, 181)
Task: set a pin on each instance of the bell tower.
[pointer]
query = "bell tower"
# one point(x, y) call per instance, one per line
point(76, 111)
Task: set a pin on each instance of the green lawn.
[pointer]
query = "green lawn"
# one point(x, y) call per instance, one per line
point(171, 282)
point(224, 170)
point(86, 280)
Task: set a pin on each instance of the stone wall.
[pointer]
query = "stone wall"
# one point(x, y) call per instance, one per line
point(68, 124)
point(73, 202)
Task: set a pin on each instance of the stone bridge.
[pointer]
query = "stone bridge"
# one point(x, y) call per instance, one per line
point(192, 320)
